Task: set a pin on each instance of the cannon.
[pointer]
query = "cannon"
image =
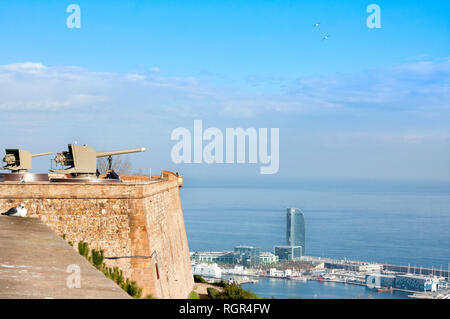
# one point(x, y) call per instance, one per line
point(82, 160)
point(19, 161)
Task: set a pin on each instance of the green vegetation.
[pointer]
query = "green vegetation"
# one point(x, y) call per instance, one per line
point(115, 274)
point(132, 289)
point(97, 258)
point(213, 293)
point(193, 295)
point(231, 291)
point(221, 283)
point(198, 278)
point(83, 249)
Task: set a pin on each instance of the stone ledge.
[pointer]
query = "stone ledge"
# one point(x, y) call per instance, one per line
point(34, 260)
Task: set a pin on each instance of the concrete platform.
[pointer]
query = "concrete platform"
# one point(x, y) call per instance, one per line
point(34, 261)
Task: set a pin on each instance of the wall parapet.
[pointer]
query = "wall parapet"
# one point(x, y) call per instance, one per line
point(124, 219)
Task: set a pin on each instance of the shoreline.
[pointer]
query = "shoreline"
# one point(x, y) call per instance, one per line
point(415, 294)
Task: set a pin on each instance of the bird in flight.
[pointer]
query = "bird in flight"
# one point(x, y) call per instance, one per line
point(316, 25)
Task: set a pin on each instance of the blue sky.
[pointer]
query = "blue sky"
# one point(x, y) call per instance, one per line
point(366, 103)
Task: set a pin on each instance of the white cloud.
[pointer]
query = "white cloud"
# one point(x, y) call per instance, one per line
point(155, 70)
point(135, 77)
point(29, 85)
point(38, 87)
point(142, 106)
point(26, 67)
point(422, 84)
point(338, 139)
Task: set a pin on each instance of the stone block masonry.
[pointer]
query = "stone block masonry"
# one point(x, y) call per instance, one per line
point(138, 222)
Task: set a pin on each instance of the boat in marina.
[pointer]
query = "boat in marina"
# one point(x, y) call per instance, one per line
point(297, 278)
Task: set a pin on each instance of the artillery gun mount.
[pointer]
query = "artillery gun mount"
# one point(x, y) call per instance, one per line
point(81, 163)
point(19, 163)
point(78, 164)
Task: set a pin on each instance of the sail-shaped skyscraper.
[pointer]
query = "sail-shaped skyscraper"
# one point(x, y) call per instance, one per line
point(295, 230)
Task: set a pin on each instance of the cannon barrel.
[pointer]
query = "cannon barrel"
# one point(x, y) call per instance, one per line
point(110, 153)
point(41, 154)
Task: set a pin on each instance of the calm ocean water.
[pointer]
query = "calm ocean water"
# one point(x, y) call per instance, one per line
point(399, 224)
point(285, 289)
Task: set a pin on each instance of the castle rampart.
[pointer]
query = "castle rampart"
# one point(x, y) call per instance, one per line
point(138, 222)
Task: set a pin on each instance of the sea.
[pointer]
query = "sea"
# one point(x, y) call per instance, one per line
point(396, 222)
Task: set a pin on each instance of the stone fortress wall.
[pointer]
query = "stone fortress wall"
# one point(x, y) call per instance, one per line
point(139, 222)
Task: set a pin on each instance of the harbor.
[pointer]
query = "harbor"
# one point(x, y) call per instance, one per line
point(289, 262)
point(375, 279)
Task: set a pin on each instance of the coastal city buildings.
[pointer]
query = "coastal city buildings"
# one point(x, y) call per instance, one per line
point(288, 252)
point(380, 280)
point(223, 257)
point(248, 261)
point(295, 236)
point(250, 255)
point(409, 282)
point(295, 228)
point(354, 266)
point(246, 255)
point(207, 270)
point(242, 255)
point(268, 258)
point(373, 275)
point(416, 283)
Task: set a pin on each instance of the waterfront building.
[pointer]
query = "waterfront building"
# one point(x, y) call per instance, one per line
point(207, 270)
point(318, 265)
point(267, 258)
point(406, 282)
point(223, 257)
point(295, 228)
point(416, 283)
point(237, 270)
point(380, 281)
point(273, 272)
point(246, 255)
point(354, 266)
point(288, 252)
